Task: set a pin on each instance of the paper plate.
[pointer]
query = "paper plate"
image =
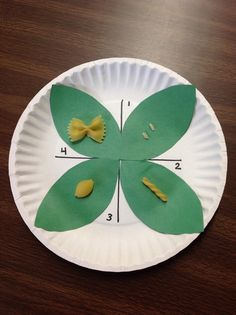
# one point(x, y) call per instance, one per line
point(117, 240)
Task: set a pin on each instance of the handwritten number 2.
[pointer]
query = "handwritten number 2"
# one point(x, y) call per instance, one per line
point(177, 166)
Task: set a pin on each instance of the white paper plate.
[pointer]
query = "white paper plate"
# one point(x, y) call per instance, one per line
point(110, 245)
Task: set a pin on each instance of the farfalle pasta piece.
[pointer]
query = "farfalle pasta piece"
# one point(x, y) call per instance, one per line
point(77, 129)
point(97, 129)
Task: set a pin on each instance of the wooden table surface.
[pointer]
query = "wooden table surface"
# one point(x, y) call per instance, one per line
point(40, 40)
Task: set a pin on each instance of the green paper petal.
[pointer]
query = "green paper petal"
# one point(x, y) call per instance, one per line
point(182, 213)
point(67, 103)
point(170, 111)
point(60, 210)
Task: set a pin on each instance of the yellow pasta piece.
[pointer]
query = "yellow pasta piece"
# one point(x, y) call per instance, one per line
point(145, 135)
point(84, 188)
point(97, 129)
point(151, 126)
point(77, 129)
point(154, 189)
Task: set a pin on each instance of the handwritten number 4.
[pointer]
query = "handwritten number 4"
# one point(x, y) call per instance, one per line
point(63, 150)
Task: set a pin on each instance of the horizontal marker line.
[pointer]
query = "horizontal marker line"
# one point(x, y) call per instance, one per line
point(73, 157)
point(90, 158)
point(167, 160)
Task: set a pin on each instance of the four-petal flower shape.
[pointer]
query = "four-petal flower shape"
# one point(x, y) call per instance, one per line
point(124, 154)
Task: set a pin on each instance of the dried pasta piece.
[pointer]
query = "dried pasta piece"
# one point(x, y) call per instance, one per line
point(77, 129)
point(152, 127)
point(154, 189)
point(97, 129)
point(145, 135)
point(84, 188)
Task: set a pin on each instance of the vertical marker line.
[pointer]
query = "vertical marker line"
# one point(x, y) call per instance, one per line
point(118, 195)
point(118, 187)
point(121, 116)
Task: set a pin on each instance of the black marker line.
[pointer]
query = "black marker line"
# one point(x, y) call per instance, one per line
point(121, 115)
point(73, 157)
point(118, 197)
point(118, 183)
point(128, 103)
point(167, 160)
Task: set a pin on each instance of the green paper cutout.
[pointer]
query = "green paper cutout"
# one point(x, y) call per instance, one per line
point(67, 103)
point(60, 210)
point(182, 213)
point(170, 111)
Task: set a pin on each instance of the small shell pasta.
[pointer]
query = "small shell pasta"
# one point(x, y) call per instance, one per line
point(84, 188)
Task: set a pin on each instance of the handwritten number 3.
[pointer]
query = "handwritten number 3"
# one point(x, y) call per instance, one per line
point(109, 218)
